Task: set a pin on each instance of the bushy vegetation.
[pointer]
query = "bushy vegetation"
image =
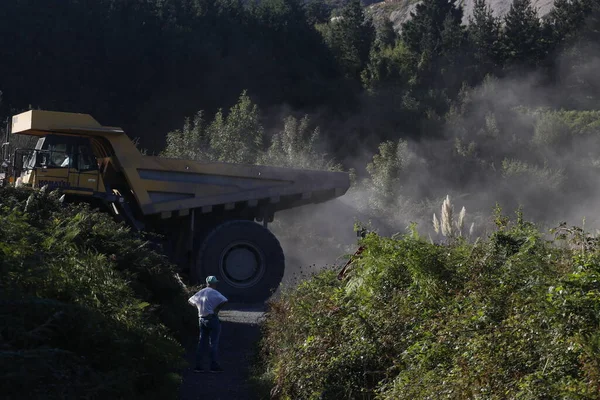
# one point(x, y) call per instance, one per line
point(514, 315)
point(87, 308)
point(238, 136)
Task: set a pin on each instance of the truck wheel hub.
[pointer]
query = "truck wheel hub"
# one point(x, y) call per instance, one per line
point(242, 264)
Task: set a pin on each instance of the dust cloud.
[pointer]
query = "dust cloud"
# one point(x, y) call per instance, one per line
point(515, 142)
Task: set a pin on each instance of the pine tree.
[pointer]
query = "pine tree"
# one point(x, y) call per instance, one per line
point(351, 37)
point(435, 37)
point(317, 12)
point(386, 34)
point(579, 55)
point(591, 25)
point(521, 39)
point(566, 18)
point(424, 30)
point(484, 38)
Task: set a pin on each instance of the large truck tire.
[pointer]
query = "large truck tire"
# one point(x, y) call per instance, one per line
point(245, 257)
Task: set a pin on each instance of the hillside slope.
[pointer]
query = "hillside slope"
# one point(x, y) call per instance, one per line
point(398, 11)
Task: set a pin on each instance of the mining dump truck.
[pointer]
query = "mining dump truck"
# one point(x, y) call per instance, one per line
point(213, 215)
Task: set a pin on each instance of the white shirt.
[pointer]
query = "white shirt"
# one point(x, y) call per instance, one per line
point(206, 300)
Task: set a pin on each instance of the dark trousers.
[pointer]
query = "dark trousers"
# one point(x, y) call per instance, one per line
point(210, 330)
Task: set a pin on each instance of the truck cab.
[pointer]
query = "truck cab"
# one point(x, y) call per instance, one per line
point(59, 161)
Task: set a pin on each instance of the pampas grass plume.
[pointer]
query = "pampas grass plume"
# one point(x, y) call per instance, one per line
point(447, 217)
point(461, 220)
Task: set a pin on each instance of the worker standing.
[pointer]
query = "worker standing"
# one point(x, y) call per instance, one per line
point(209, 302)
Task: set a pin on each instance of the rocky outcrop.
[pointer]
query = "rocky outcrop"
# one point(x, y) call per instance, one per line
point(398, 11)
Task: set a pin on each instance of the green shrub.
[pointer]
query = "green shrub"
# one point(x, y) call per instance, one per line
point(513, 316)
point(550, 129)
point(87, 309)
point(543, 178)
point(579, 122)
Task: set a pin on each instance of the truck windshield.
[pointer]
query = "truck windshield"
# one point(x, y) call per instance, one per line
point(58, 155)
point(32, 160)
point(63, 152)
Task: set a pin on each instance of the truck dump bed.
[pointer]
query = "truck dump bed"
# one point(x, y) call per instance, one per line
point(166, 186)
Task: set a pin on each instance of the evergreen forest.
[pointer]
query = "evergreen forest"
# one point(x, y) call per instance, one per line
point(474, 105)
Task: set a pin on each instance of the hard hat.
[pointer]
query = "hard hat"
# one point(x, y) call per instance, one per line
point(212, 279)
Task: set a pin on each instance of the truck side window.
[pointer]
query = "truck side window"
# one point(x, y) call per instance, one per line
point(86, 160)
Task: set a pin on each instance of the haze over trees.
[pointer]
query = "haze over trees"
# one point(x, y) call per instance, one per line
point(257, 81)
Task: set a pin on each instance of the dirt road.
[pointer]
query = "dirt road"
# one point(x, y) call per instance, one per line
point(239, 335)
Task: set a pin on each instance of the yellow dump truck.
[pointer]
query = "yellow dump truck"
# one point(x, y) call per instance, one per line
point(213, 215)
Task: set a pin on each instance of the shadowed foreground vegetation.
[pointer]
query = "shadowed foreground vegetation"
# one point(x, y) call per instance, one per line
point(87, 308)
point(515, 316)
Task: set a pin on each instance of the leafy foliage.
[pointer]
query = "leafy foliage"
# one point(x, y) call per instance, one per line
point(387, 168)
point(240, 137)
point(192, 142)
point(87, 309)
point(297, 146)
point(388, 65)
point(514, 315)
